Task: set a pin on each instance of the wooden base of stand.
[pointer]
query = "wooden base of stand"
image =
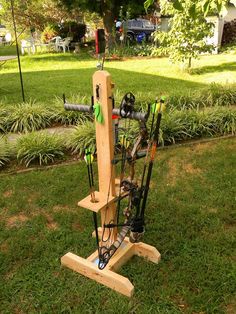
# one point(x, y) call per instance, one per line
point(108, 276)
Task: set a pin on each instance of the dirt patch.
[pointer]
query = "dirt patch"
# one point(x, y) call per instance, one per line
point(182, 305)
point(201, 147)
point(4, 247)
point(172, 173)
point(51, 224)
point(7, 193)
point(231, 307)
point(59, 208)
point(212, 210)
point(76, 226)
point(229, 226)
point(3, 213)
point(17, 310)
point(33, 197)
point(189, 168)
point(16, 220)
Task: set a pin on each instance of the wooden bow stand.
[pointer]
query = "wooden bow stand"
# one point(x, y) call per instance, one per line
point(102, 90)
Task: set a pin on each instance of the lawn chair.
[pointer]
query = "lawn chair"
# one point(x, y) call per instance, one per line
point(27, 45)
point(54, 42)
point(64, 44)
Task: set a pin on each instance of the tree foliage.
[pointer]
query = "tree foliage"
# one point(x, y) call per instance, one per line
point(109, 10)
point(207, 5)
point(189, 29)
point(31, 14)
point(188, 32)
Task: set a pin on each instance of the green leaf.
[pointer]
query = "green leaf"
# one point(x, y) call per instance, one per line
point(177, 5)
point(206, 7)
point(219, 5)
point(193, 11)
point(147, 4)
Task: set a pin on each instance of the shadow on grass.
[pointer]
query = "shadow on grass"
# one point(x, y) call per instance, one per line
point(44, 85)
point(229, 66)
point(7, 50)
point(61, 57)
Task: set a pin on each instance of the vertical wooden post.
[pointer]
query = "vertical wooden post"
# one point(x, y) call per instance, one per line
point(102, 92)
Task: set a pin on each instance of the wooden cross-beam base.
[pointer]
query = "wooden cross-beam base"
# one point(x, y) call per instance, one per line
point(108, 276)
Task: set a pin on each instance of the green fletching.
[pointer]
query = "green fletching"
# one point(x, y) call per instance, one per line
point(88, 157)
point(98, 113)
point(154, 108)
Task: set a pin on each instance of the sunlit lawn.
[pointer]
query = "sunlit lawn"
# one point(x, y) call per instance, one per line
point(49, 75)
point(190, 219)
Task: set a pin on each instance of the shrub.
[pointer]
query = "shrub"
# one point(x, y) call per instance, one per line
point(180, 125)
point(4, 151)
point(82, 137)
point(213, 95)
point(143, 49)
point(3, 114)
point(39, 147)
point(60, 115)
point(27, 117)
point(48, 33)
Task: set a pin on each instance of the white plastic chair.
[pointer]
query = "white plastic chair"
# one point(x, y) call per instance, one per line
point(55, 42)
point(64, 44)
point(27, 45)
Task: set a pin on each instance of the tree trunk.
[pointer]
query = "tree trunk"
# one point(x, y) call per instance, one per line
point(108, 17)
point(189, 62)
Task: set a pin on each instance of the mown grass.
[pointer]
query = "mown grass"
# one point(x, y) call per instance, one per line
point(190, 219)
point(49, 75)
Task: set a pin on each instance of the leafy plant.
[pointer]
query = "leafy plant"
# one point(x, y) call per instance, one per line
point(184, 124)
point(27, 117)
point(143, 49)
point(213, 95)
point(4, 151)
point(39, 147)
point(82, 137)
point(178, 125)
point(48, 33)
point(3, 114)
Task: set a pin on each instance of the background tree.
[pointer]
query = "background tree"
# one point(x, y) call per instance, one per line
point(37, 14)
point(108, 10)
point(189, 28)
point(187, 37)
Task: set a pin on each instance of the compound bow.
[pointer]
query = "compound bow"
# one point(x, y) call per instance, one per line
point(136, 194)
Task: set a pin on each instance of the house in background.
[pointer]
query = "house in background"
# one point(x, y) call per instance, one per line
point(231, 13)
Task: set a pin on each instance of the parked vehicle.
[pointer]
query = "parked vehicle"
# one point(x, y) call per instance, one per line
point(136, 29)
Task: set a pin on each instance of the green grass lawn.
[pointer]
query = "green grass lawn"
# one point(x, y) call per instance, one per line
point(47, 75)
point(190, 219)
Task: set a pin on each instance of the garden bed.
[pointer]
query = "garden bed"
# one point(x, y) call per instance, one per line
point(179, 124)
